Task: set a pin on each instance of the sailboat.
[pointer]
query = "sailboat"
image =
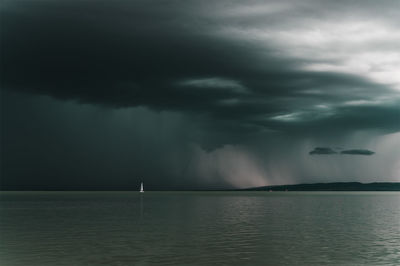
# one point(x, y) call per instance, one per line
point(141, 187)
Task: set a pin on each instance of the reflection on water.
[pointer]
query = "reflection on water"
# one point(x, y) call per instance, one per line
point(199, 228)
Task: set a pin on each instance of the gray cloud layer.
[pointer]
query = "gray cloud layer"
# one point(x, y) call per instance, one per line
point(223, 61)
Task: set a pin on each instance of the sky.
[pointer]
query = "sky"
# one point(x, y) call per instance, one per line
point(198, 94)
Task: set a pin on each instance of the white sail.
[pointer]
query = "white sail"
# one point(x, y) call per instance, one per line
point(141, 187)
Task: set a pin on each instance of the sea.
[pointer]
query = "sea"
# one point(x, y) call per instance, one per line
point(199, 228)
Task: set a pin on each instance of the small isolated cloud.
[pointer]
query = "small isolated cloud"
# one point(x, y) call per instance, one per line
point(214, 83)
point(322, 150)
point(357, 152)
point(327, 150)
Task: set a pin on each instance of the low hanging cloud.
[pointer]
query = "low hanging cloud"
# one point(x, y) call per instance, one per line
point(329, 151)
point(322, 150)
point(357, 152)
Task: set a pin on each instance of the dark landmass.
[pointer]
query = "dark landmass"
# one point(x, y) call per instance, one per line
point(337, 186)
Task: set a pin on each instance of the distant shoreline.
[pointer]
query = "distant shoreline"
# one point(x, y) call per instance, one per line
point(334, 186)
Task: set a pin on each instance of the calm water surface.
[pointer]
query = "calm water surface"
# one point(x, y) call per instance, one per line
point(199, 228)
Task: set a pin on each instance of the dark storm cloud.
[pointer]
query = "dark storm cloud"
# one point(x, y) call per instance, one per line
point(183, 57)
point(187, 93)
point(357, 152)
